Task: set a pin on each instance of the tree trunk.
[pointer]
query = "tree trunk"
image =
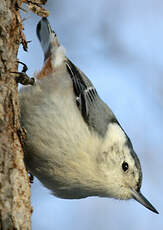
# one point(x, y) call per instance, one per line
point(15, 208)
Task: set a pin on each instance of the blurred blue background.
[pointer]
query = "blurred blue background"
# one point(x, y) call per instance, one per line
point(119, 45)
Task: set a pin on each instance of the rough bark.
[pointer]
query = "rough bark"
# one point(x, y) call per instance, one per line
point(15, 208)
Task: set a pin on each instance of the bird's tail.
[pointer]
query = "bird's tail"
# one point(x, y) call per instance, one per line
point(47, 38)
point(50, 43)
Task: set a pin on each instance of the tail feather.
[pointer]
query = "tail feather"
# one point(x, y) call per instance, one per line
point(47, 38)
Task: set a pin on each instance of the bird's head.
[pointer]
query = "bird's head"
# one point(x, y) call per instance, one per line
point(121, 167)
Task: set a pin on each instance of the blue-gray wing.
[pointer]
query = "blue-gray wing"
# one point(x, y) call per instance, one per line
point(94, 111)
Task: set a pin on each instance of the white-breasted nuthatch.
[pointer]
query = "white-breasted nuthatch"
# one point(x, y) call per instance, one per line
point(75, 146)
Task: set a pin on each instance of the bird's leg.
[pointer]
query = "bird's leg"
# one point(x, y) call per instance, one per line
point(31, 178)
point(22, 77)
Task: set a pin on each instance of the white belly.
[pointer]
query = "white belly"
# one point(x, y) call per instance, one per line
point(56, 131)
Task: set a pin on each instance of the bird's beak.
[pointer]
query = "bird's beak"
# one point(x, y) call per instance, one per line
point(142, 200)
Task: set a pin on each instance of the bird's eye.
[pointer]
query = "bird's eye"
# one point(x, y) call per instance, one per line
point(125, 166)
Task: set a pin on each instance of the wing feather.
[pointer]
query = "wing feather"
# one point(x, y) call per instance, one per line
point(93, 110)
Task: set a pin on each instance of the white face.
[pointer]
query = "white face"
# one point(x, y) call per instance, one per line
point(120, 164)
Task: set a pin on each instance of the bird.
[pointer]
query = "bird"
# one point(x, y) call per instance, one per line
point(74, 143)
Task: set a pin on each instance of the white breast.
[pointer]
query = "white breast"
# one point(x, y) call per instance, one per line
point(56, 131)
